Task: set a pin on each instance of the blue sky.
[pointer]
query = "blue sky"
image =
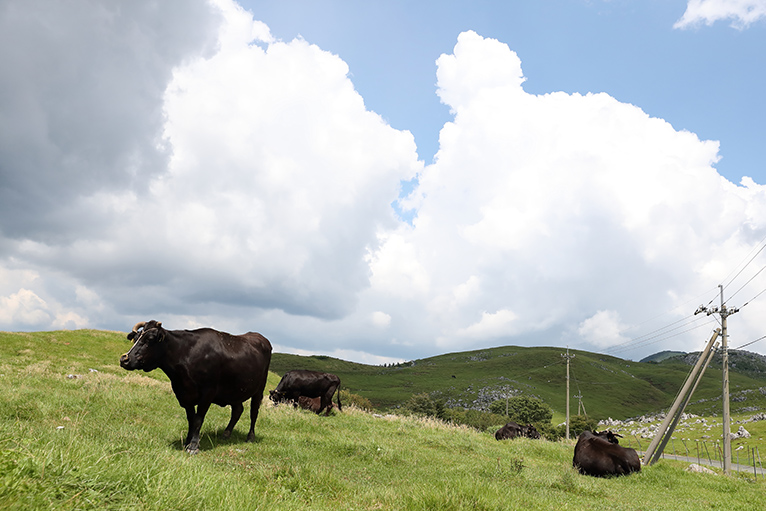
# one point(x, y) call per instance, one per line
point(707, 79)
point(384, 181)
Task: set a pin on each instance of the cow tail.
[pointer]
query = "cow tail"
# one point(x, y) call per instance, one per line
point(340, 408)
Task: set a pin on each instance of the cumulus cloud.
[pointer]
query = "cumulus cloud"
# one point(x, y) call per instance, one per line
point(270, 185)
point(742, 13)
point(381, 319)
point(232, 180)
point(603, 329)
point(82, 102)
point(550, 208)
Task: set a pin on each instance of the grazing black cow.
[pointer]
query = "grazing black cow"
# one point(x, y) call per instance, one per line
point(513, 430)
point(301, 382)
point(205, 367)
point(599, 455)
point(313, 404)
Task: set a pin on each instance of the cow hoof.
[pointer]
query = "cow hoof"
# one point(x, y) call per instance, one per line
point(192, 450)
point(226, 435)
point(251, 437)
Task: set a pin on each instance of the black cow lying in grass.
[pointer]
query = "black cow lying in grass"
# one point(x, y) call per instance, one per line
point(599, 455)
point(204, 367)
point(513, 430)
point(310, 384)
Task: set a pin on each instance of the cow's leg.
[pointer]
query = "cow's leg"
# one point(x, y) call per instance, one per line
point(327, 398)
point(255, 404)
point(236, 413)
point(190, 414)
point(195, 425)
point(322, 403)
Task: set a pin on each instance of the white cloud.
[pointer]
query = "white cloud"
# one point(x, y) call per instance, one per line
point(742, 13)
point(278, 182)
point(25, 308)
point(490, 326)
point(557, 206)
point(381, 319)
point(604, 329)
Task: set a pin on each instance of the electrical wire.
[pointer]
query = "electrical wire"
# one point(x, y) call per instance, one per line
point(746, 283)
point(751, 342)
point(746, 265)
point(753, 298)
point(660, 334)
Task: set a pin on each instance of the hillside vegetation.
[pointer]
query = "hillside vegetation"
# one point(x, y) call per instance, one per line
point(78, 432)
point(610, 386)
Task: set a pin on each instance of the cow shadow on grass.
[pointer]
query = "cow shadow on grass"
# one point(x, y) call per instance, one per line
point(212, 440)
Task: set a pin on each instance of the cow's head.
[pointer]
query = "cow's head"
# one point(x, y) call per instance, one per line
point(277, 396)
point(531, 432)
point(147, 349)
point(609, 436)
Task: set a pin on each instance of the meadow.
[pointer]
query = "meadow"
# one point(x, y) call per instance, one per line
point(78, 432)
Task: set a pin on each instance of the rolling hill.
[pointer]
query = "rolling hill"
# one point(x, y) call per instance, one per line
point(609, 386)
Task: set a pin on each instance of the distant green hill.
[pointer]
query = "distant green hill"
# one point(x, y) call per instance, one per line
point(610, 386)
point(662, 356)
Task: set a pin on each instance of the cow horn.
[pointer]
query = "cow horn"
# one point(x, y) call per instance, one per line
point(140, 324)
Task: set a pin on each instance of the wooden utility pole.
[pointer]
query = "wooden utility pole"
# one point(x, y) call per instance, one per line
point(724, 312)
point(665, 431)
point(568, 357)
point(580, 406)
point(726, 415)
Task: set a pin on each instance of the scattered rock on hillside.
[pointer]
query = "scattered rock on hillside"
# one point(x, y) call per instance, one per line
point(741, 433)
point(699, 469)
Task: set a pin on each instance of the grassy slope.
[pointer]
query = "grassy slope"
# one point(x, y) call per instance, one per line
point(611, 387)
point(111, 440)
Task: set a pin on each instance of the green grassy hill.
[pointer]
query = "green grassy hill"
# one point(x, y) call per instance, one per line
point(78, 432)
point(610, 386)
point(662, 355)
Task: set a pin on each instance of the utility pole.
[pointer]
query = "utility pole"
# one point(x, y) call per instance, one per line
point(724, 312)
point(568, 357)
point(665, 431)
point(580, 406)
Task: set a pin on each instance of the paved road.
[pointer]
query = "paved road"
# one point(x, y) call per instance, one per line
point(759, 470)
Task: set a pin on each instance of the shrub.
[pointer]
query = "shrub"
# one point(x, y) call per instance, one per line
point(523, 409)
point(549, 431)
point(361, 402)
point(474, 418)
point(425, 406)
point(580, 423)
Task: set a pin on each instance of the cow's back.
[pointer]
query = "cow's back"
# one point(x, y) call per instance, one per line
point(510, 431)
point(303, 382)
point(236, 366)
point(596, 456)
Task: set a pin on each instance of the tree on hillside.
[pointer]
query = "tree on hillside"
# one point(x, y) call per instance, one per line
point(580, 423)
point(425, 405)
point(523, 409)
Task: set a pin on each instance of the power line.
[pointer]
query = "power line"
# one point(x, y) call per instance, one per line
point(663, 335)
point(753, 298)
point(746, 265)
point(746, 283)
point(751, 342)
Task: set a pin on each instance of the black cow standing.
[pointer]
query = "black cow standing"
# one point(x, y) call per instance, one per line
point(513, 430)
point(301, 382)
point(599, 455)
point(204, 367)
